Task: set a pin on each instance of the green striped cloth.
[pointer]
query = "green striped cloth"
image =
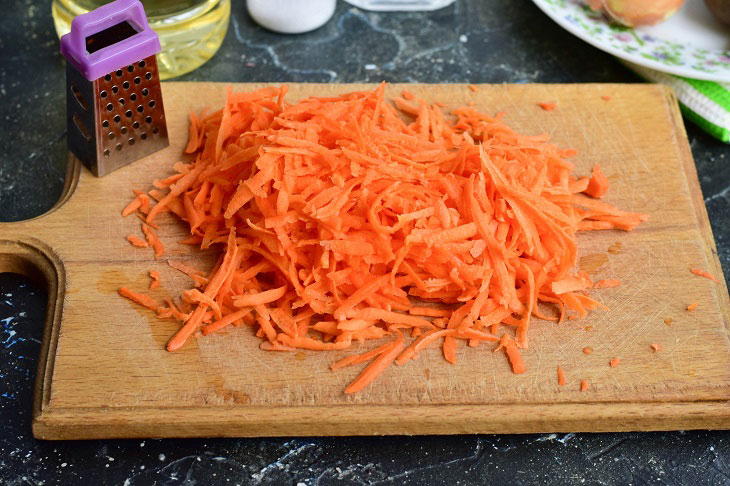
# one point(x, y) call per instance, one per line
point(705, 103)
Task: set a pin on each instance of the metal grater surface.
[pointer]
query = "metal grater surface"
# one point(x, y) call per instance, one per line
point(130, 115)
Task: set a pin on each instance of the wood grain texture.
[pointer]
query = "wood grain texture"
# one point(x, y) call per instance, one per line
point(104, 371)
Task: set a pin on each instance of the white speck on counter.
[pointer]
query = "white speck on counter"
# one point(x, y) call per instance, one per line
point(370, 67)
point(463, 38)
point(162, 457)
point(141, 444)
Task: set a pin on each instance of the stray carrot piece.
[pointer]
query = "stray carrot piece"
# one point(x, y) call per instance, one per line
point(605, 97)
point(561, 376)
point(704, 273)
point(473, 88)
point(360, 358)
point(153, 240)
point(656, 347)
point(668, 321)
point(141, 299)
point(692, 306)
point(137, 241)
point(547, 105)
point(597, 184)
point(513, 354)
point(376, 367)
point(135, 204)
point(603, 284)
point(614, 362)
point(155, 276)
point(584, 385)
point(587, 350)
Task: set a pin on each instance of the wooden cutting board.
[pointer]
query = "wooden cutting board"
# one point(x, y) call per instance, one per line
point(104, 371)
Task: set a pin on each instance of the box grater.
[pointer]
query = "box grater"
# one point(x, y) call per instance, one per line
point(113, 100)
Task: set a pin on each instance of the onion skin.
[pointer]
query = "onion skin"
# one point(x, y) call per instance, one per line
point(635, 13)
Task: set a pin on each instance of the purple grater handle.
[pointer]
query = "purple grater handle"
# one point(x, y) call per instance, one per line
point(128, 51)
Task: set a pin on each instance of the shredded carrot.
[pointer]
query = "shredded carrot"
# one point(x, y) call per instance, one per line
point(584, 385)
point(602, 284)
point(473, 88)
point(137, 241)
point(692, 306)
point(656, 347)
point(336, 222)
point(155, 282)
point(561, 376)
point(667, 320)
point(614, 362)
point(597, 184)
point(704, 273)
point(587, 350)
point(605, 97)
point(547, 105)
point(141, 299)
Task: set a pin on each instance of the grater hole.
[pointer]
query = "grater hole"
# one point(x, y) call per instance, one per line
point(105, 123)
point(140, 108)
point(81, 127)
point(151, 103)
point(121, 101)
point(135, 125)
point(123, 130)
point(130, 68)
point(130, 141)
point(115, 89)
point(108, 77)
point(128, 113)
point(148, 75)
point(117, 118)
point(125, 85)
point(119, 73)
point(133, 97)
point(79, 97)
point(145, 92)
point(106, 153)
point(148, 119)
point(143, 136)
point(109, 107)
point(137, 80)
point(141, 64)
point(155, 130)
point(118, 147)
point(111, 135)
point(103, 94)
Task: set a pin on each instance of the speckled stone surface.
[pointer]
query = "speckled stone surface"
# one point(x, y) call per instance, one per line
point(470, 41)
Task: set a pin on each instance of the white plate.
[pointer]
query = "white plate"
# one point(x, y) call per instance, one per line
point(692, 43)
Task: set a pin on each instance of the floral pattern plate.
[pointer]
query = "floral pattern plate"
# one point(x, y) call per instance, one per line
point(691, 43)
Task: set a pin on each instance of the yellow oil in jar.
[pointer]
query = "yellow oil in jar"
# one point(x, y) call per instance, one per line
point(190, 31)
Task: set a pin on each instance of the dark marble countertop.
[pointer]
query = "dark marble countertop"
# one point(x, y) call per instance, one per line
point(471, 41)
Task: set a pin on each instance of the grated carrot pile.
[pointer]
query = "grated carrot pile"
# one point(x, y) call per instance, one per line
point(338, 222)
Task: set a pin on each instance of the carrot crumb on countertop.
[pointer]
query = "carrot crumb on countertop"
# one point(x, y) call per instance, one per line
point(614, 362)
point(605, 97)
point(704, 273)
point(155, 276)
point(656, 347)
point(561, 376)
point(584, 386)
point(667, 320)
point(473, 87)
point(587, 350)
point(597, 184)
point(589, 328)
point(603, 284)
point(692, 306)
point(547, 105)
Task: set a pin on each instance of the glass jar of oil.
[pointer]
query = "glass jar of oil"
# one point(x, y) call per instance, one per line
point(190, 31)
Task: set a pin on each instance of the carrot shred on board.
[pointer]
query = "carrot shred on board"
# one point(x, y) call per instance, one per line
point(597, 184)
point(606, 97)
point(346, 219)
point(603, 284)
point(137, 241)
point(561, 376)
point(614, 362)
point(692, 306)
point(704, 273)
point(141, 299)
point(155, 282)
point(473, 88)
point(587, 350)
point(656, 347)
point(547, 105)
point(584, 385)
